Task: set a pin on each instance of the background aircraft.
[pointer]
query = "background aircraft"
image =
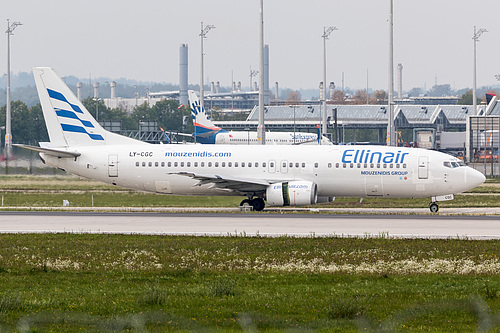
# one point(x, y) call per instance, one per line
point(208, 133)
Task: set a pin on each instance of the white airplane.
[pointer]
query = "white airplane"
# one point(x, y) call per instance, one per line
point(208, 133)
point(276, 175)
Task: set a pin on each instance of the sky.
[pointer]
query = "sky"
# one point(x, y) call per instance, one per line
point(140, 40)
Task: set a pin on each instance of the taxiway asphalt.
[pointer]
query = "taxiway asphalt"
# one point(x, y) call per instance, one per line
point(252, 224)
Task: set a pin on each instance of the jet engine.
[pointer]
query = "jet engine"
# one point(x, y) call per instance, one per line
point(295, 193)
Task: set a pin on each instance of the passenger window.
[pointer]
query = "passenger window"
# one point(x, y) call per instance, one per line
point(303, 165)
point(229, 164)
point(182, 164)
point(263, 164)
point(337, 165)
point(169, 164)
point(209, 164)
point(143, 164)
point(404, 165)
point(235, 164)
point(162, 164)
point(329, 165)
point(137, 164)
point(297, 165)
point(256, 164)
point(156, 164)
point(315, 165)
point(391, 166)
point(344, 165)
point(385, 166)
point(351, 165)
point(378, 165)
point(216, 164)
point(176, 164)
point(271, 165)
point(195, 164)
point(365, 165)
point(242, 164)
point(291, 165)
point(202, 164)
point(223, 164)
point(150, 164)
point(249, 164)
point(397, 166)
point(372, 165)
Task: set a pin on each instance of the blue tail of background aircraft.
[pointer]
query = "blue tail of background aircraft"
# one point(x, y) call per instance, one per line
point(204, 130)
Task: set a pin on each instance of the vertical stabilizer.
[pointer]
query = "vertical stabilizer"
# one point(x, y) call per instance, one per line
point(203, 125)
point(68, 122)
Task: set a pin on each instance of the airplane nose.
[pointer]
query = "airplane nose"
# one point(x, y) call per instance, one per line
point(474, 178)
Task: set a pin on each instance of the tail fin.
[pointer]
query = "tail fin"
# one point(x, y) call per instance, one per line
point(68, 122)
point(201, 122)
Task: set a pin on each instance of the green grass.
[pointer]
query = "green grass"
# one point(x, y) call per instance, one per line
point(70, 282)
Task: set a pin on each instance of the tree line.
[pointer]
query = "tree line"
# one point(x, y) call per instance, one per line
point(28, 124)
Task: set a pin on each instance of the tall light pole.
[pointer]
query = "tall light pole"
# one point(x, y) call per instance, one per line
point(326, 33)
point(476, 36)
point(390, 100)
point(203, 35)
point(294, 135)
point(261, 128)
point(8, 134)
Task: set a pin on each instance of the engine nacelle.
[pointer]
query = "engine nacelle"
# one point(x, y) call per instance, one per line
point(296, 193)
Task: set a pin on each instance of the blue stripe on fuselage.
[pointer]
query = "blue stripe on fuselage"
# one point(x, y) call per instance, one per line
point(60, 97)
point(79, 129)
point(72, 115)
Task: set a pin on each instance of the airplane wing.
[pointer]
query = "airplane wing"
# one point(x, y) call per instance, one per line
point(238, 184)
point(50, 151)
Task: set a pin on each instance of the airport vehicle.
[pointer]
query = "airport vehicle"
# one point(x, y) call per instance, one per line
point(207, 132)
point(272, 174)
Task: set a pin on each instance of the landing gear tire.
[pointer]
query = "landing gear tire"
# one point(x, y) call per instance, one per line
point(258, 204)
point(434, 207)
point(246, 202)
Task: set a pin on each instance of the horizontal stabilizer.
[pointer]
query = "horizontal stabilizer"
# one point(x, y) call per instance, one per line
point(50, 151)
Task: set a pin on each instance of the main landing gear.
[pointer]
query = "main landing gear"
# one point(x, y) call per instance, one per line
point(434, 208)
point(258, 204)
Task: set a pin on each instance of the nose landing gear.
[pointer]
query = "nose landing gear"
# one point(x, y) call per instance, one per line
point(434, 208)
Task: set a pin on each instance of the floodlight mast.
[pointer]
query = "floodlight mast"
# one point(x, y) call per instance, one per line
point(8, 134)
point(326, 34)
point(477, 34)
point(252, 74)
point(390, 100)
point(203, 35)
point(261, 128)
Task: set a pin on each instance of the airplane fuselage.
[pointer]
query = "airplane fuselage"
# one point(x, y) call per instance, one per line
point(360, 171)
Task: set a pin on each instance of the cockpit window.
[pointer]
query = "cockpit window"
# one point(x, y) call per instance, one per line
point(453, 164)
